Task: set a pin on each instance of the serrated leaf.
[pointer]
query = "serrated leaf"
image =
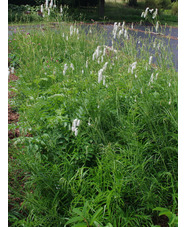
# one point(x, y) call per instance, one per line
point(77, 211)
point(74, 219)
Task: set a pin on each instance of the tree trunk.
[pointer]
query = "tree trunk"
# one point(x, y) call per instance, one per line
point(132, 2)
point(101, 8)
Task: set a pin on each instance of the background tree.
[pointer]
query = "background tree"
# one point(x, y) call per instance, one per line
point(132, 2)
point(101, 8)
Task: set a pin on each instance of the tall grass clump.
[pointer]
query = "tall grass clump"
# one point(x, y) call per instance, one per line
point(98, 127)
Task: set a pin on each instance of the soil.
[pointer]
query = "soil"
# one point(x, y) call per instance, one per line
point(161, 221)
point(12, 115)
point(16, 176)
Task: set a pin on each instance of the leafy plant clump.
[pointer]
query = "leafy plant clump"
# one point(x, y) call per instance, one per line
point(102, 121)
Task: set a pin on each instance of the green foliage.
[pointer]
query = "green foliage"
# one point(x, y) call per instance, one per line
point(83, 218)
point(174, 9)
point(160, 4)
point(122, 160)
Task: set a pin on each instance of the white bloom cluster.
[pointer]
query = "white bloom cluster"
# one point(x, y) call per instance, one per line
point(100, 74)
point(72, 66)
point(46, 4)
point(11, 70)
point(152, 78)
point(132, 67)
point(150, 60)
point(65, 69)
point(157, 26)
point(154, 15)
point(89, 124)
point(109, 48)
point(144, 14)
point(75, 124)
point(86, 63)
point(51, 4)
point(42, 8)
point(96, 53)
point(73, 30)
point(61, 9)
point(121, 31)
point(115, 28)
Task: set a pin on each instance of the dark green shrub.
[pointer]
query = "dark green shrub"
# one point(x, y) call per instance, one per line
point(150, 3)
point(161, 4)
point(174, 9)
point(22, 2)
point(132, 2)
point(75, 3)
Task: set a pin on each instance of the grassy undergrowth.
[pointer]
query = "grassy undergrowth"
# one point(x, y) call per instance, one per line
point(103, 125)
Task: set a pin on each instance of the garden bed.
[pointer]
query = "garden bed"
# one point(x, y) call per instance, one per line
point(103, 150)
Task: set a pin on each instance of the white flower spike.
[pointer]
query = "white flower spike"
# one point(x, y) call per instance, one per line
point(150, 60)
